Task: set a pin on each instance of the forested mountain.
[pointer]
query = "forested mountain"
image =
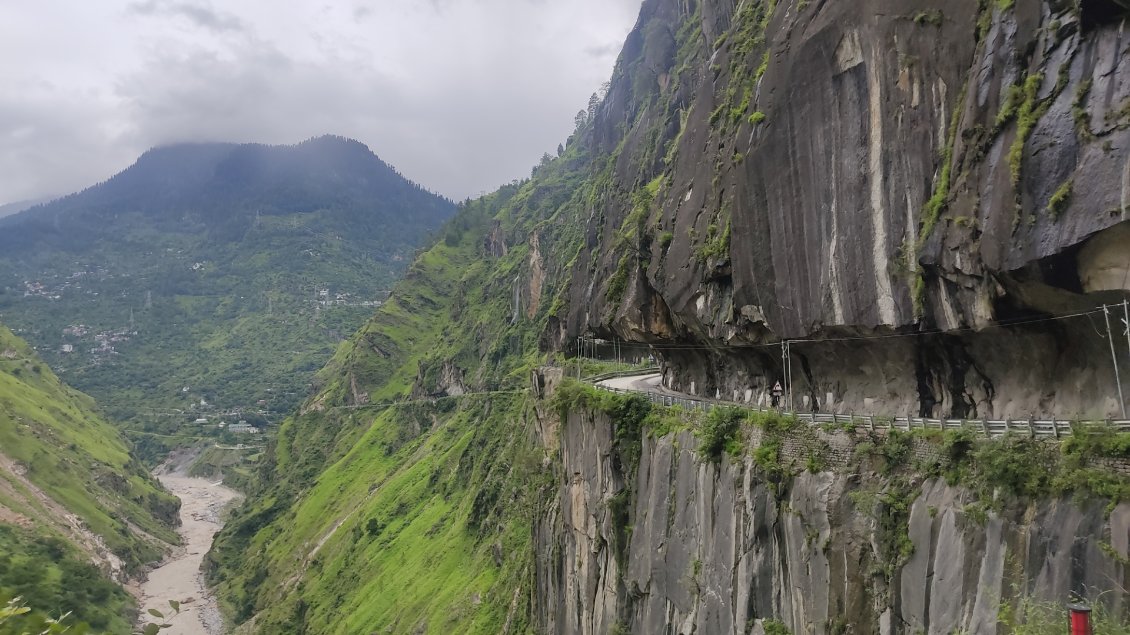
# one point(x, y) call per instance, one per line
point(78, 513)
point(914, 192)
point(216, 273)
point(8, 209)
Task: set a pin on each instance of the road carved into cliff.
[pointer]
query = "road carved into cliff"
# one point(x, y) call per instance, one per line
point(651, 386)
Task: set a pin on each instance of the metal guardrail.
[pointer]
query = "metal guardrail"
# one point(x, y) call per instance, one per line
point(990, 427)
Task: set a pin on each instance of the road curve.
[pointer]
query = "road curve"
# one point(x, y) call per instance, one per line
point(650, 382)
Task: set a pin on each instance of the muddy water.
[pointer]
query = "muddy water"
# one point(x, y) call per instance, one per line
point(179, 577)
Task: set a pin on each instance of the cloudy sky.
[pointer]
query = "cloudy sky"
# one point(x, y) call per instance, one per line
point(459, 95)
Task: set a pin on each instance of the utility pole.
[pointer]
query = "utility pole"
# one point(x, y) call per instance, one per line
point(1114, 358)
point(783, 397)
point(578, 355)
point(787, 372)
point(1126, 321)
point(789, 351)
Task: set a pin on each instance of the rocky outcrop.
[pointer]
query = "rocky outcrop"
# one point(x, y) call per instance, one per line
point(844, 172)
point(718, 548)
point(445, 381)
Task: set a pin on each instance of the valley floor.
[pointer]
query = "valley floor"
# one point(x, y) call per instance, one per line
point(179, 577)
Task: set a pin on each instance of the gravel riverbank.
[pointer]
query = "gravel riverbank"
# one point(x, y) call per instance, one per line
point(179, 577)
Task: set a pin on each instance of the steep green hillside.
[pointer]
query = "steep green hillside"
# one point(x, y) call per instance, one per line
point(70, 494)
point(215, 272)
point(402, 493)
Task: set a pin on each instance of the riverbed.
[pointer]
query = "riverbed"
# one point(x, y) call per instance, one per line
point(179, 577)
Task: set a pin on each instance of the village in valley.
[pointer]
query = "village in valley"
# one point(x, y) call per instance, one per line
point(122, 314)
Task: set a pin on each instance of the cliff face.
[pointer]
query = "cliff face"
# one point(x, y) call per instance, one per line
point(822, 170)
point(719, 548)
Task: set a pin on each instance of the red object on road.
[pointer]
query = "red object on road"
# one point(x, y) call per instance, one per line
point(1080, 619)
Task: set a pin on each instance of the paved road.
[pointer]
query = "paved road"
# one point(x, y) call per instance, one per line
point(651, 382)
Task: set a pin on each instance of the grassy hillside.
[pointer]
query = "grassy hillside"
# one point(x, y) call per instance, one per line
point(217, 273)
point(70, 493)
point(400, 496)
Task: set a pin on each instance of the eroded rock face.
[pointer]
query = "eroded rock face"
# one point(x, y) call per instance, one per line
point(714, 548)
point(1104, 261)
point(792, 151)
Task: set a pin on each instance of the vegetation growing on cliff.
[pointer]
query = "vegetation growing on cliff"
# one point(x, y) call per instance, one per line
point(1060, 199)
point(1028, 112)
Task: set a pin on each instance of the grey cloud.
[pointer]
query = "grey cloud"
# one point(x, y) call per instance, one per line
point(262, 94)
point(51, 145)
point(201, 15)
point(459, 95)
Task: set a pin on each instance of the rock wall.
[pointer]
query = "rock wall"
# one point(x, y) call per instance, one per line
point(845, 171)
point(719, 548)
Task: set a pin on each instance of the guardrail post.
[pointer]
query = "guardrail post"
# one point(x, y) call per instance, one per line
point(1031, 428)
point(985, 427)
point(871, 422)
point(1055, 427)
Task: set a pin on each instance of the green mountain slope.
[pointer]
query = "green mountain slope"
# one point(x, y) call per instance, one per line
point(70, 494)
point(215, 272)
point(401, 495)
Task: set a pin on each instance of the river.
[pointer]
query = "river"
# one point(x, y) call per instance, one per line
point(179, 577)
